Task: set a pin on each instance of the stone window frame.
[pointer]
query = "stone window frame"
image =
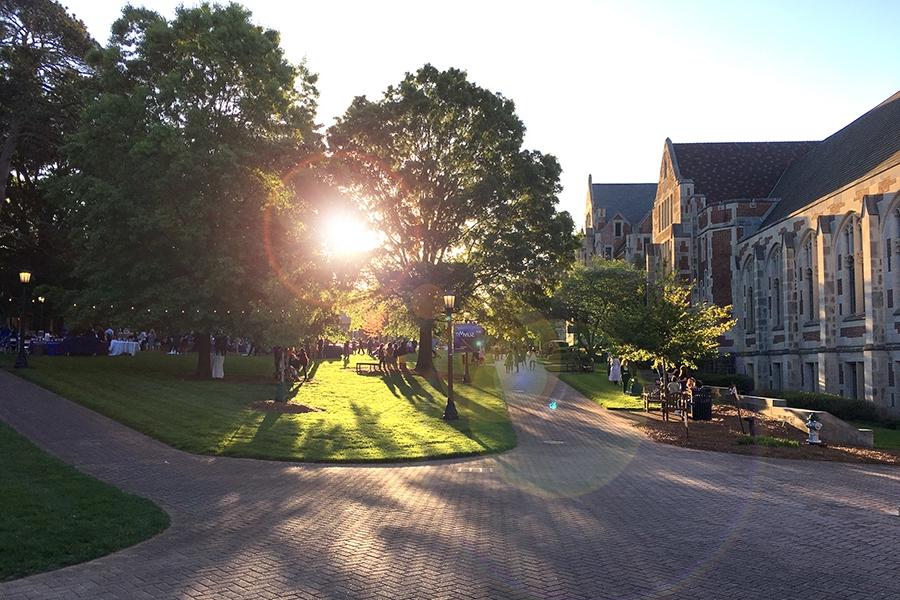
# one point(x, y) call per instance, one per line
point(806, 264)
point(890, 242)
point(748, 277)
point(848, 262)
point(774, 268)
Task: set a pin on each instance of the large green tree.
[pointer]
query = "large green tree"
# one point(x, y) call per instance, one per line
point(438, 164)
point(190, 158)
point(42, 76)
point(42, 56)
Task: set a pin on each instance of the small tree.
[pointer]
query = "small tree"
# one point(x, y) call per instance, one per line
point(662, 327)
point(593, 297)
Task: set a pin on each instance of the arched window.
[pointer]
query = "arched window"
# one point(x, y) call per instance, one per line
point(748, 298)
point(889, 264)
point(776, 296)
point(851, 300)
point(807, 290)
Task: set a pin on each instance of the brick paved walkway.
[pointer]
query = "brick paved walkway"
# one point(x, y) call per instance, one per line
point(583, 508)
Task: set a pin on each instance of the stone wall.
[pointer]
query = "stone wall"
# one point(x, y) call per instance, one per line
point(852, 345)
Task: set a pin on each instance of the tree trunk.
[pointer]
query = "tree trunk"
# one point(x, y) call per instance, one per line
point(9, 146)
point(425, 360)
point(204, 349)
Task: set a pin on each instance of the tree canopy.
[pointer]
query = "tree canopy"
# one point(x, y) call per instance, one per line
point(42, 57)
point(439, 165)
point(191, 162)
point(43, 74)
point(616, 308)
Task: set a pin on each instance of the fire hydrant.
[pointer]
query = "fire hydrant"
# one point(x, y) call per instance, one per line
point(814, 425)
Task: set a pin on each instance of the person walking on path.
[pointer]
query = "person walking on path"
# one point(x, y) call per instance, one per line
point(509, 362)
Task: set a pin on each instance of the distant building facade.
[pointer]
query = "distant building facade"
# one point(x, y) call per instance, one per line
point(802, 239)
point(616, 224)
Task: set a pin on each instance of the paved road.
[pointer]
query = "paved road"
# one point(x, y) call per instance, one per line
point(583, 508)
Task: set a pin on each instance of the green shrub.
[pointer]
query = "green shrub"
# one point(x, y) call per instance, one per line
point(842, 408)
point(744, 382)
point(767, 440)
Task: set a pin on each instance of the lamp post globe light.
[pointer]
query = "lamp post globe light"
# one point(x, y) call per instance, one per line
point(450, 413)
point(21, 357)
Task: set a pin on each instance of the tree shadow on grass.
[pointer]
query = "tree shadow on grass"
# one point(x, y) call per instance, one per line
point(472, 412)
point(313, 367)
point(265, 425)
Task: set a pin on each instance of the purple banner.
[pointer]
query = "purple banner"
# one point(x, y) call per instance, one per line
point(468, 337)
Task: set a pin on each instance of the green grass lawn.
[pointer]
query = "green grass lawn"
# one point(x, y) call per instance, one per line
point(885, 438)
point(365, 417)
point(598, 388)
point(53, 516)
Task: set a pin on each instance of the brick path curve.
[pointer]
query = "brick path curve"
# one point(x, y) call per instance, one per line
point(584, 507)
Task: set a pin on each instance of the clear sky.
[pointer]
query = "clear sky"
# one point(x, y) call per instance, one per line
point(601, 84)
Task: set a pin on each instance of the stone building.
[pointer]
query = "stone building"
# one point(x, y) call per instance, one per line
point(816, 286)
point(802, 238)
point(616, 223)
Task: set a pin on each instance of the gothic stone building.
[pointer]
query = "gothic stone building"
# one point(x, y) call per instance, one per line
point(803, 239)
point(617, 221)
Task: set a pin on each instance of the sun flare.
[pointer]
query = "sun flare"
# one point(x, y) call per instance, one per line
point(345, 234)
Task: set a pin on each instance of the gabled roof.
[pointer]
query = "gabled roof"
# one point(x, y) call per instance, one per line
point(866, 145)
point(736, 170)
point(631, 200)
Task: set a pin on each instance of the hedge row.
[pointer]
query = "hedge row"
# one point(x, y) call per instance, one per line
point(842, 408)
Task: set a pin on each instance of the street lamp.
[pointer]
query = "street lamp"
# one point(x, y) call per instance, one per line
point(41, 299)
point(450, 413)
point(21, 357)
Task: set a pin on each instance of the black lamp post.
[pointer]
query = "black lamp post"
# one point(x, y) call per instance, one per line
point(21, 357)
point(450, 413)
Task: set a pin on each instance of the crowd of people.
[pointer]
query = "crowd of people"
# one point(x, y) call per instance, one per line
point(677, 380)
point(517, 357)
point(391, 355)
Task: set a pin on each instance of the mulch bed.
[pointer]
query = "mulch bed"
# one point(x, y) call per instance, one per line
point(722, 434)
point(292, 408)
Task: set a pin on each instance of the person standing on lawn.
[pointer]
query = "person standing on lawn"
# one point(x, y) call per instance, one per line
point(615, 371)
point(220, 349)
point(626, 376)
point(303, 362)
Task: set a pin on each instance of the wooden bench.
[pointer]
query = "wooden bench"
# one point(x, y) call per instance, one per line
point(652, 396)
point(571, 367)
point(668, 403)
point(368, 367)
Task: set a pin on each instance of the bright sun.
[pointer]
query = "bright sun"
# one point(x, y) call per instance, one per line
point(345, 234)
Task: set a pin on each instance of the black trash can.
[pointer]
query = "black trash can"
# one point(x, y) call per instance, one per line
point(701, 404)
